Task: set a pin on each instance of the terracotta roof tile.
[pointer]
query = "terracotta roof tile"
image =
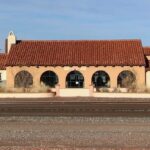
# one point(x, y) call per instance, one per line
point(3, 58)
point(146, 50)
point(64, 53)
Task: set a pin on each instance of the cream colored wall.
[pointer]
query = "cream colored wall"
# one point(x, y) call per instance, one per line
point(86, 71)
point(71, 92)
point(114, 72)
point(148, 79)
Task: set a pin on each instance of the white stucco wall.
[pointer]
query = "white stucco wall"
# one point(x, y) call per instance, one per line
point(3, 74)
point(3, 78)
point(11, 39)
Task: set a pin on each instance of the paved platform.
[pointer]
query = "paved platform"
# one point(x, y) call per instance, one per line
point(74, 99)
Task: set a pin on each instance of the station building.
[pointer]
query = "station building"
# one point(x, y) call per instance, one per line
point(75, 67)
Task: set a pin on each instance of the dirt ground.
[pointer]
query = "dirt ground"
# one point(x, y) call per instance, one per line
point(90, 133)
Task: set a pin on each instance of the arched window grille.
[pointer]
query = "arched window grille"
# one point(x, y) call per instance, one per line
point(23, 79)
point(74, 80)
point(126, 79)
point(101, 79)
point(49, 78)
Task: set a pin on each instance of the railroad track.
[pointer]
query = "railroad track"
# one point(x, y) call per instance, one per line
point(90, 108)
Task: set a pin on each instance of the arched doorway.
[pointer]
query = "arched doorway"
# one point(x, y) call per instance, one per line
point(74, 80)
point(126, 79)
point(101, 79)
point(49, 78)
point(23, 79)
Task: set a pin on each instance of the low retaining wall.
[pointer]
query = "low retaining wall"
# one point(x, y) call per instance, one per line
point(72, 92)
point(122, 95)
point(75, 94)
point(26, 95)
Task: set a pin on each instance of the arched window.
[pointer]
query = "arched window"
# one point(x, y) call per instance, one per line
point(23, 79)
point(49, 78)
point(101, 79)
point(74, 80)
point(126, 79)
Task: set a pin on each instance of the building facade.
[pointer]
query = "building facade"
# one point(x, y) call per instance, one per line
point(79, 66)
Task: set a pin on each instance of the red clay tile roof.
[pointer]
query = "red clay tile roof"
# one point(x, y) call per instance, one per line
point(72, 53)
point(2, 61)
point(146, 50)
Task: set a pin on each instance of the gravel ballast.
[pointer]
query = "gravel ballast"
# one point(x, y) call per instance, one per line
point(74, 132)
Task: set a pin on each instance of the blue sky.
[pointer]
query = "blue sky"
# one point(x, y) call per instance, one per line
point(75, 19)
